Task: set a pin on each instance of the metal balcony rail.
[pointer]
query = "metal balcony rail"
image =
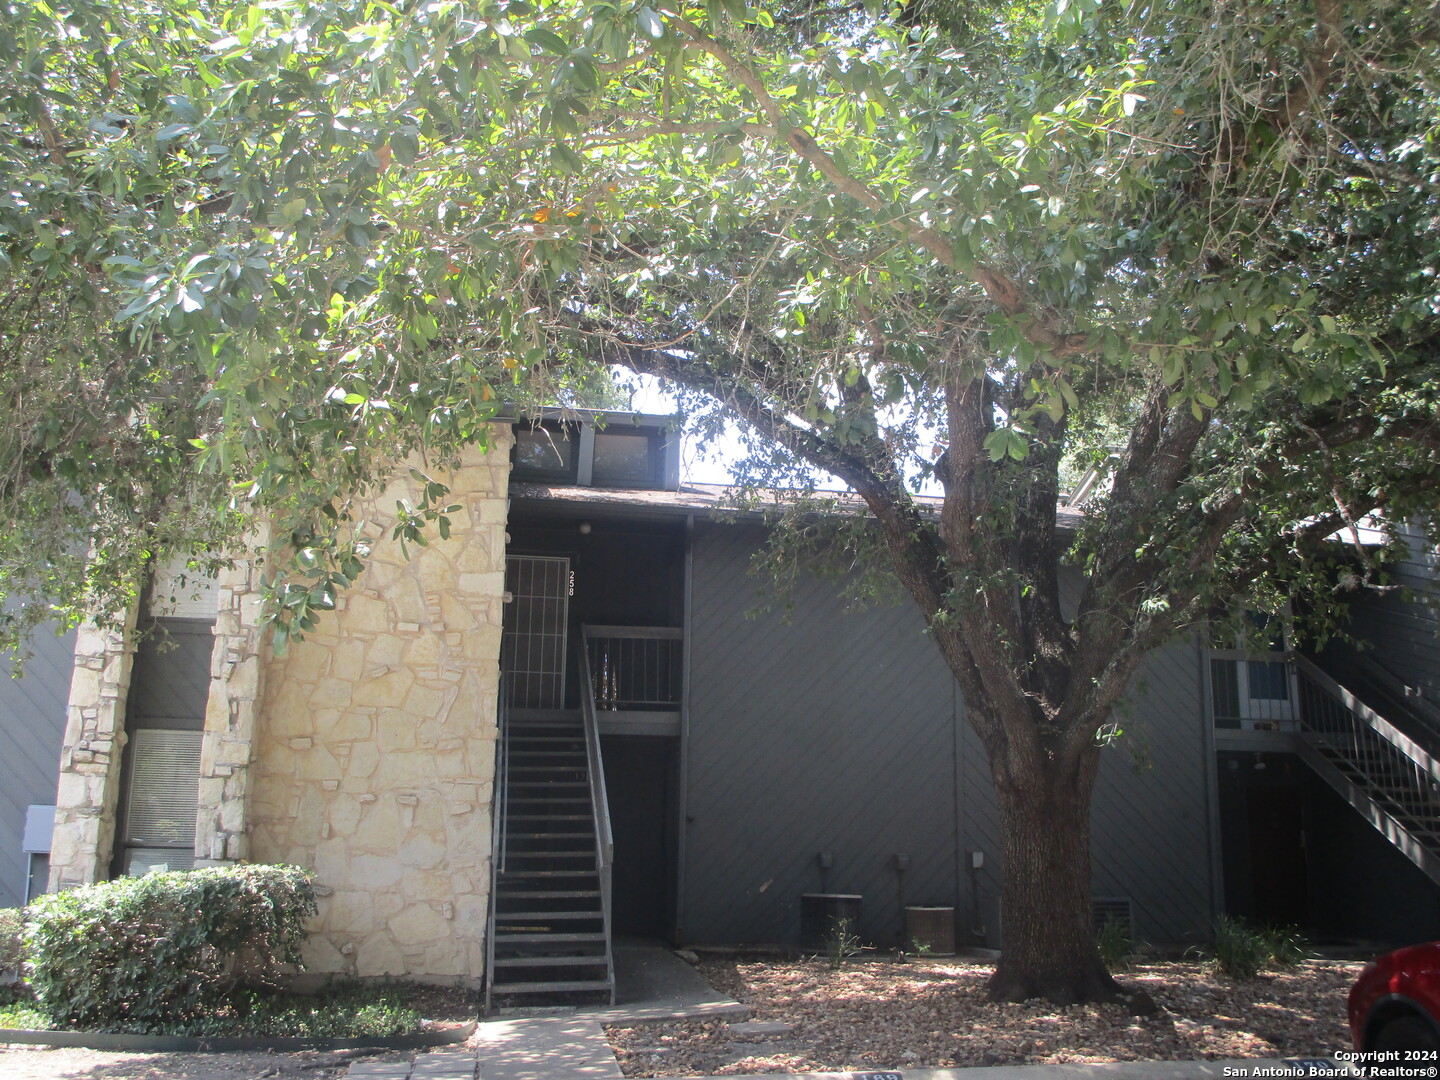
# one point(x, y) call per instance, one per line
point(1251, 694)
point(634, 667)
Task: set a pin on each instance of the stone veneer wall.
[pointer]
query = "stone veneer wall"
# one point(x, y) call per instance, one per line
point(236, 666)
point(374, 744)
point(89, 788)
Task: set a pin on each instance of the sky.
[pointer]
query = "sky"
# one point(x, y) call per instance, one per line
point(712, 463)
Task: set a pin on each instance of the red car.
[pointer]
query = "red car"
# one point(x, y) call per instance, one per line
point(1395, 1003)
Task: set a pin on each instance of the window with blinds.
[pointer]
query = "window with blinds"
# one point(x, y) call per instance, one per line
point(161, 800)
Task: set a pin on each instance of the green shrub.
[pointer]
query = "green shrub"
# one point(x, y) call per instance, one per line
point(1116, 947)
point(156, 953)
point(1287, 946)
point(345, 1011)
point(12, 946)
point(1240, 949)
point(841, 944)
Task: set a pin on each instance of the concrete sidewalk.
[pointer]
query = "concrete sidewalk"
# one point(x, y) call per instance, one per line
point(446, 1063)
point(651, 983)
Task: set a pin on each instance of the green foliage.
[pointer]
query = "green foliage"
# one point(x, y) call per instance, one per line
point(157, 953)
point(341, 1012)
point(22, 1014)
point(12, 944)
point(300, 264)
point(1242, 949)
point(252, 256)
point(841, 944)
point(1115, 945)
point(1287, 946)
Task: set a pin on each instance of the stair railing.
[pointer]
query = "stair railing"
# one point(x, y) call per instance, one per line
point(1420, 710)
point(499, 823)
point(1395, 769)
point(599, 802)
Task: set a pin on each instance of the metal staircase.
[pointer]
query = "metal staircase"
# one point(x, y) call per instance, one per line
point(1383, 772)
point(550, 925)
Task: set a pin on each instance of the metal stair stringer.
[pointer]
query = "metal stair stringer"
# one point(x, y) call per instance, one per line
point(1389, 826)
point(1389, 779)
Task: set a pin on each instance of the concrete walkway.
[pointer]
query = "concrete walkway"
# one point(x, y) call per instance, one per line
point(447, 1063)
point(651, 983)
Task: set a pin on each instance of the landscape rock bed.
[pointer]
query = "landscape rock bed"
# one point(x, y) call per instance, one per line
point(881, 1014)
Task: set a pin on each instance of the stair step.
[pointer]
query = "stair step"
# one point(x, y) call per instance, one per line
point(548, 873)
point(549, 800)
point(537, 938)
point(549, 817)
point(547, 916)
point(587, 854)
point(552, 835)
point(557, 987)
point(593, 960)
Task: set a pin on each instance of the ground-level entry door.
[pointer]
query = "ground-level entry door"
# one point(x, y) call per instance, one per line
point(536, 630)
point(641, 779)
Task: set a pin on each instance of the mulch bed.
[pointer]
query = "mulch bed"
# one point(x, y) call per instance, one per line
point(882, 1014)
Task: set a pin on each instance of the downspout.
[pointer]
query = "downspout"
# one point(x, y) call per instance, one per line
point(681, 796)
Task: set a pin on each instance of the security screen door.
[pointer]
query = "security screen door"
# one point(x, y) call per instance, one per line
point(536, 623)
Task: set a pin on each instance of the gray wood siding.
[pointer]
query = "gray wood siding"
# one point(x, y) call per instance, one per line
point(829, 734)
point(32, 728)
point(844, 732)
point(1404, 635)
point(1150, 820)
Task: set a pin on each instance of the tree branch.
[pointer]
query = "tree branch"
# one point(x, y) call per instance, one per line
point(1002, 290)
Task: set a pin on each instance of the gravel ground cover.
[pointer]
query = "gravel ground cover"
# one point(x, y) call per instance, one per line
point(882, 1014)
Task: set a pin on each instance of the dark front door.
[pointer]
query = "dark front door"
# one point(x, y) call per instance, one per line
point(641, 780)
point(1277, 855)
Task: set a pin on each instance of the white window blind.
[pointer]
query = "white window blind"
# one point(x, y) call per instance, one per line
point(164, 790)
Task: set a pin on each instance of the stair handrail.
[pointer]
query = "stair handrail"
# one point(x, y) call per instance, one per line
point(599, 802)
point(499, 823)
point(1424, 711)
point(1397, 739)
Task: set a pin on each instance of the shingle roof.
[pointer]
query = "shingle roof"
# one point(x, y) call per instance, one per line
point(699, 499)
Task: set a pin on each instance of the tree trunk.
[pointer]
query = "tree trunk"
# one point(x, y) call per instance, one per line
point(1048, 937)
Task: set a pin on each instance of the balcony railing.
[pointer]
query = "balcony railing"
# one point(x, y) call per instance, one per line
point(634, 668)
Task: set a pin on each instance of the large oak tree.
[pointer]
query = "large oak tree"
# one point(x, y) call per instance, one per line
point(253, 254)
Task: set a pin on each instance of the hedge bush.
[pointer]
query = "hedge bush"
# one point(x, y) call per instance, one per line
point(153, 954)
point(12, 947)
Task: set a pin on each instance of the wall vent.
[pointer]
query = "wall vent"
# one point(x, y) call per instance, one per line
point(1116, 909)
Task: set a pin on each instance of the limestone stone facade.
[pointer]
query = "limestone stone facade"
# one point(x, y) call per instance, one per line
point(373, 742)
point(366, 752)
point(89, 788)
point(236, 666)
